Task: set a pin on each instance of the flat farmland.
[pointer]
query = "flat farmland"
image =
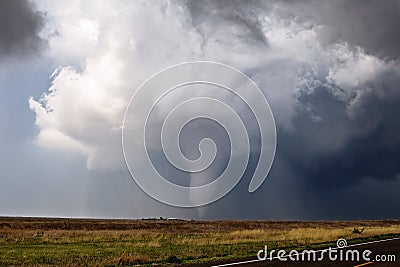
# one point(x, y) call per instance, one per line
point(100, 242)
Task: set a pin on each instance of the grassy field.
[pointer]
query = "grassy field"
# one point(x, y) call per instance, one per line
point(76, 242)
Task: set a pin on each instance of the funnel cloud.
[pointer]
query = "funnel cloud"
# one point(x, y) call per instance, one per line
point(330, 71)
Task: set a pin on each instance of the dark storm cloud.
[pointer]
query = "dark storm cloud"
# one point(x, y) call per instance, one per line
point(332, 165)
point(20, 26)
point(334, 142)
point(241, 18)
point(336, 150)
point(370, 24)
point(373, 25)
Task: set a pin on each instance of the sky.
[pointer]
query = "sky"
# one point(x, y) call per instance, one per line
point(330, 71)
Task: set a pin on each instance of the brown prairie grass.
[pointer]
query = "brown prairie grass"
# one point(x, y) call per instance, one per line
point(111, 243)
point(128, 259)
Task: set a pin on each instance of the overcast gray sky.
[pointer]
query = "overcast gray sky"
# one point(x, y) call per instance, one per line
point(329, 69)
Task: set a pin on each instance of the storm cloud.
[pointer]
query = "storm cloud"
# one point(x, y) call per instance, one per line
point(20, 28)
point(344, 126)
point(329, 69)
point(370, 24)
